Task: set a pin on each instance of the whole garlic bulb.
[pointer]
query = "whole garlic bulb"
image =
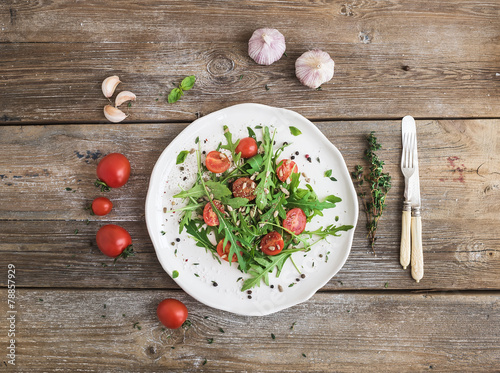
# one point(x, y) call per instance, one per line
point(314, 68)
point(266, 46)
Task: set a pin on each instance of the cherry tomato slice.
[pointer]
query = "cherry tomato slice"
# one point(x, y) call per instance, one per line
point(112, 240)
point(295, 221)
point(209, 215)
point(114, 170)
point(247, 147)
point(217, 162)
point(244, 187)
point(101, 206)
point(272, 243)
point(172, 313)
point(285, 169)
point(224, 253)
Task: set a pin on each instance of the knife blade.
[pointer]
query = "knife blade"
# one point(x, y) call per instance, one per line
point(417, 262)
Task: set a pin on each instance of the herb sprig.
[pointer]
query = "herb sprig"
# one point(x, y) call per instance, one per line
point(373, 186)
point(176, 93)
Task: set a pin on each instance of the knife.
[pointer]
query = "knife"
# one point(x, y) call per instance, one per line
point(417, 260)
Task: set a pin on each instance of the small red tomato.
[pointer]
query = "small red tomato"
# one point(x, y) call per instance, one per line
point(244, 187)
point(114, 170)
point(112, 240)
point(172, 313)
point(285, 169)
point(217, 162)
point(101, 206)
point(247, 147)
point(272, 243)
point(295, 221)
point(209, 215)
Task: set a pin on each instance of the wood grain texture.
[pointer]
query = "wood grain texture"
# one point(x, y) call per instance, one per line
point(93, 331)
point(459, 163)
point(393, 58)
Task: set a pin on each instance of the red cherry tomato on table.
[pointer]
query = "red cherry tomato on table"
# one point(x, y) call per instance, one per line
point(272, 243)
point(209, 215)
point(101, 206)
point(224, 253)
point(172, 313)
point(247, 147)
point(285, 169)
point(295, 221)
point(112, 240)
point(217, 162)
point(114, 170)
point(244, 187)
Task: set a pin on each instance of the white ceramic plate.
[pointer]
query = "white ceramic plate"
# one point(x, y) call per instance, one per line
point(197, 269)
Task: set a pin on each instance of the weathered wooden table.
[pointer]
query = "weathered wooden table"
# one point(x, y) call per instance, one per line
point(436, 60)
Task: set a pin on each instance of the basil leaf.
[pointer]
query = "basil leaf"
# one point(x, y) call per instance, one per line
point(187, 83)
point(328, 173)
point(251, 133)
point(182, 157)
point(295, 131)
point(174, 95)
point(175, 274)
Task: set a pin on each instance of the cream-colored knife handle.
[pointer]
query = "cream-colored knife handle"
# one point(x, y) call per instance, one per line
point(405, 250)
point(417, 256)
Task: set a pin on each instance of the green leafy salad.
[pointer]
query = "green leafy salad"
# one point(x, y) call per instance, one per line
point(250, 200)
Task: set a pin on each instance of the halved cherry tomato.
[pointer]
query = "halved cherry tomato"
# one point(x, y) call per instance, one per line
point(247, 147)
point(101, 206)
point(172, 313)
point(209, 215)
point(244, 187)
point(295, 221)
point(114, 170)
point(224, 253)
point(217, 162)
point(112, 240)
point(285, 169)
point(272, 243)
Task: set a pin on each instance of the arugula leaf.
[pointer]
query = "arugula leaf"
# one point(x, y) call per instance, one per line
point(200, 234)
point(174, 95)
point(181, 157)
point(235, 202)
point(330, 230)
point(266, 181)
point(260, 272)
point(218, 189)
point(308, 201)
point(295, 131)
point(251, 133)
point(187, 83)
point(196, 191)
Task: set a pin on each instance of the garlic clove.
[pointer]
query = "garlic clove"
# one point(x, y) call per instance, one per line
point(314, 68)
point(109, 85)
point(124, 96)
point(113, 114)
point(266, 46)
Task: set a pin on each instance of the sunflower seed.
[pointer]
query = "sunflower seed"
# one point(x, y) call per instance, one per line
point(238, 224)
point(276, 213)
point(268, 173)
point(254, 176)
point(211, 196)
point(244, 186)
point(285, 191)
point(229, 208)
point(208, 189)
point(266, 191)
point(271, 248)
point(288, 181)
point(192, 151)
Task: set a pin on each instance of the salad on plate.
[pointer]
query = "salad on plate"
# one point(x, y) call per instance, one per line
point(247, 206)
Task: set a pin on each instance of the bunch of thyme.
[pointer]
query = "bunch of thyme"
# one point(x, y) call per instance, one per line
point(377, 182)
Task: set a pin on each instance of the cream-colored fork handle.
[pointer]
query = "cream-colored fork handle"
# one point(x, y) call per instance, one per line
point(405, 249)
point(417, 256)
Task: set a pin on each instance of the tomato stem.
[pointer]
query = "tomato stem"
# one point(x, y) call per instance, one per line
point(102, 185)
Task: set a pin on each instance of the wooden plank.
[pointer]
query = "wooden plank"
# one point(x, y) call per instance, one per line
point(459, 177)
point(93, 331)
point(425, 58)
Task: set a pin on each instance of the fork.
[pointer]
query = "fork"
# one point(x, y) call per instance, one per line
point(407, 168)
